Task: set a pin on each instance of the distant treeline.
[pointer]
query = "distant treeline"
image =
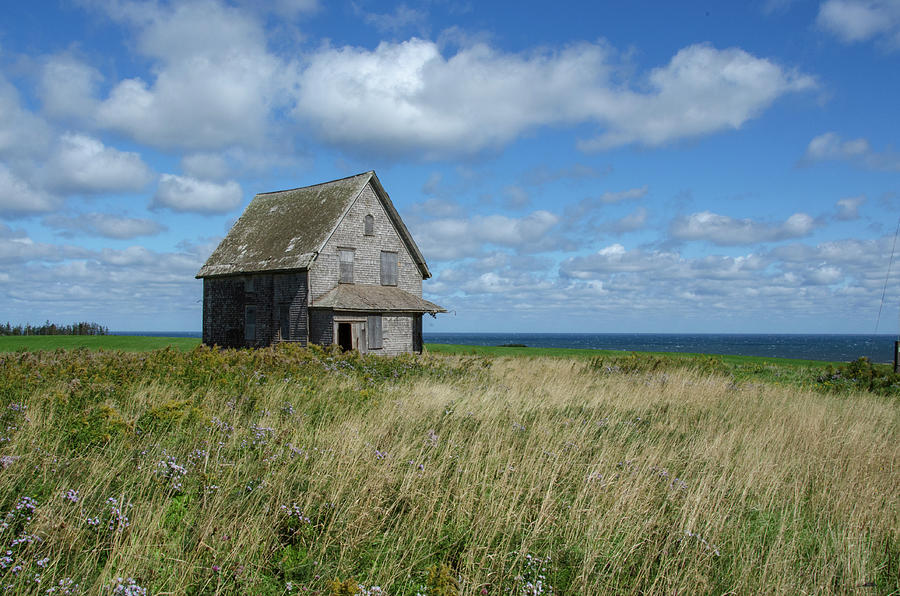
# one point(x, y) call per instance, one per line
point(48, 328)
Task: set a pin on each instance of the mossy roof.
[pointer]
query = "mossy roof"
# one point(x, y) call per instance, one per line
point(285, 230)
point(366, 298)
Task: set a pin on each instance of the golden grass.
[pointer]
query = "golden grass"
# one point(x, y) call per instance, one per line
point(669, 482)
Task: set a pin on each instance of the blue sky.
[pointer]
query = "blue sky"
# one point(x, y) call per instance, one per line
point(627, 167)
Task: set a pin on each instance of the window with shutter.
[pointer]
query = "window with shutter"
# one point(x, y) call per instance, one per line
point(345, 256)
point(374, 334)
point(370, 226)
point(284, 320)
point(388, 268)
point(250, 322)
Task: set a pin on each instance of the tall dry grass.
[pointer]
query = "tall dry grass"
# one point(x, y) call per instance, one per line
point(521, 476)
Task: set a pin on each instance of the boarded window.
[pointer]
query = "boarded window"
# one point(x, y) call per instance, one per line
point(388, 268)
point(284, 319)
point(248, 284)
point(370, 226)
point(250, 322)
point(374, 332)
point(345, 257)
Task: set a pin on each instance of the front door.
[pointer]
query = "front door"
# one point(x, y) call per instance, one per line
point(345, 336)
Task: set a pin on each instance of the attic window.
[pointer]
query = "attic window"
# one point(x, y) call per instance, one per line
point(370, 226)
point(345, 258)
point(388, 268)
point(248, 284)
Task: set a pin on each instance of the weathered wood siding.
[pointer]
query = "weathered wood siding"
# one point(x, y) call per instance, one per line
point(225, 301)
point(350, 233)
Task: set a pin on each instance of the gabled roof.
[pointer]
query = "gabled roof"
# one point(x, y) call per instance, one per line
point(285, 230)
point(364, 298)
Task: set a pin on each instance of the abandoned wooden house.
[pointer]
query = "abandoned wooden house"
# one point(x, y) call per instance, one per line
point(331, 263)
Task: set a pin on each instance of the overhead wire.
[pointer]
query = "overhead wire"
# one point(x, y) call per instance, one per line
point(888, 276)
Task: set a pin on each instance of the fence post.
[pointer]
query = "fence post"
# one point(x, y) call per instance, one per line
point(897, 356)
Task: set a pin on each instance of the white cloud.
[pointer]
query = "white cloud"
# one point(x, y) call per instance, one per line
point(215, 81)
point(702, 90)
point(18, 248)
point(18, 197)
point(22, 134)
point(624, 195)
point(848, 209)
point(208, 166)
point(616, 259)
point(726, 231)
point(186, 194)
point(543, 175)
point(514, 196)
point(454, 238)
point(830, 146)
point(105, 225)
point(635, 220)
point(68, 87)
point(84, 164)
point(861, 20)
point(402, 18)
point(407, 97)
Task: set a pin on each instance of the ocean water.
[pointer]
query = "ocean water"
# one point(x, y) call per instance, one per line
point(841, 348)
point(878, 348)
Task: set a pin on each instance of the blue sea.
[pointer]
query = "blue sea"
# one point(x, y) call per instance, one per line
point(841, 348)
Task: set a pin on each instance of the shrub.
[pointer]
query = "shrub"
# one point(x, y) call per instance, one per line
point(861, 374)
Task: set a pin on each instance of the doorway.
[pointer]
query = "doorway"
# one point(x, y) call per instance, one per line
point(345, 336)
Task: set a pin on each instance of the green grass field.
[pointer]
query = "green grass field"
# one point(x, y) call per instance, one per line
point(278, 471)
point(125, 343)
point(130, 343)
point(796, 372)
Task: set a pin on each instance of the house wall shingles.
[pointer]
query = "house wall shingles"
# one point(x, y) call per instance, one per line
point(396, 334)
point(349, 233)
point(321, 327)
point(225, 300)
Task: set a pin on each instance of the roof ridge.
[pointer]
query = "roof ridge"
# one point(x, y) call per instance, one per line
point(274, 192)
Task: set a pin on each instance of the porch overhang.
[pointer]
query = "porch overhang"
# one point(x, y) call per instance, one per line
point(374, 299)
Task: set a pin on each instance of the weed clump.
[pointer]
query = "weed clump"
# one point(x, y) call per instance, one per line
point(860, 375)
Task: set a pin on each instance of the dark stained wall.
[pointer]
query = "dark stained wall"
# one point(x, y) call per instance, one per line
point(321, 327)
point(224, 306)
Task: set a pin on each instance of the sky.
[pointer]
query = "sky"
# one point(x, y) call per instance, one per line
point(621, 167)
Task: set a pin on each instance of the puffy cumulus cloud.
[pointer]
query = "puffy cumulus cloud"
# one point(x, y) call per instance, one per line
point(455, 238)
point(727, 231)
point(861, 20)
point(68, 87)
point(187, 194)
point(215, 81)
point(84, 164)
point(209, 166)
point(830, 146)
point(702, 90)
point(409, 98)
point(105, 225)
point(22, 133)
point(616, 259)
point(848, 209)
point(18, 197)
